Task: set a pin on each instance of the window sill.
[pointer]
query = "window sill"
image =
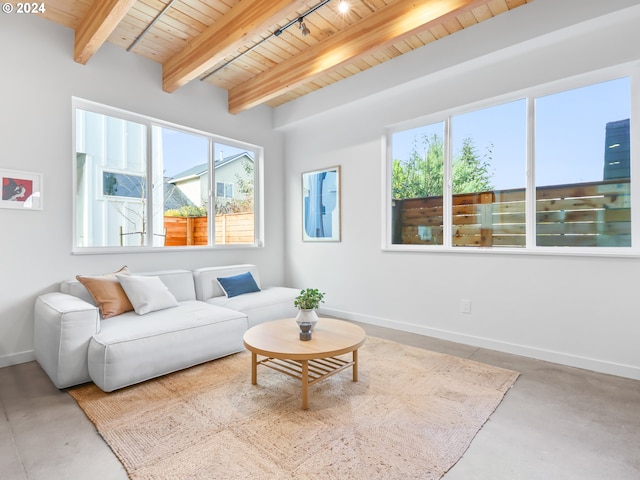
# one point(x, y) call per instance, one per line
point(623, 252)
point(127, 250)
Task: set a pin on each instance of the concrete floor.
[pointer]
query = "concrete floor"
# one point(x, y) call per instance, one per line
point(555, 423)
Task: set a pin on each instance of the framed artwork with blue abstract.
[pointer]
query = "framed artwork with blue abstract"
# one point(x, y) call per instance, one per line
point(321, 205)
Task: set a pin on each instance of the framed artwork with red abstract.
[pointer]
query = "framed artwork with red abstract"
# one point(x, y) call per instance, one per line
point(21, 190)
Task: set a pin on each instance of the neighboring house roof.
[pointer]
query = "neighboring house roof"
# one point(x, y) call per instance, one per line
point(199, 170)
point(232, 158)
point(193, 172)
point(174, 198)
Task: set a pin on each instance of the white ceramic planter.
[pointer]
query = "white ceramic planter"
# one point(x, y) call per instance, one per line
point(307, 315)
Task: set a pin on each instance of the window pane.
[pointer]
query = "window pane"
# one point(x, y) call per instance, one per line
point(417, 185)
point(181, 163)
point(111, 175)
point(122, 185)
point(488, 177)
point(234, 202)
point(583, 167)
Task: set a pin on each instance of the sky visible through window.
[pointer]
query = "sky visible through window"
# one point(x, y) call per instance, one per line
point(570, 135)
point(183, 150)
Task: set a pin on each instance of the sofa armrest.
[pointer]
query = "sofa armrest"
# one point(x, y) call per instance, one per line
point(63, 327)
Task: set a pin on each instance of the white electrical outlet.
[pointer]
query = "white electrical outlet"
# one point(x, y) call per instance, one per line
point(465, 305)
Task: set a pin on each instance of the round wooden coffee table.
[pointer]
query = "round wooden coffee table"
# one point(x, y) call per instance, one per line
point(308, 361)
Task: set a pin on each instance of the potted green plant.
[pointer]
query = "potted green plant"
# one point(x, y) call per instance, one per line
point(307, 303)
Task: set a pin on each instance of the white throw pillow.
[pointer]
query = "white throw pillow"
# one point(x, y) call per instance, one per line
point(147, 294)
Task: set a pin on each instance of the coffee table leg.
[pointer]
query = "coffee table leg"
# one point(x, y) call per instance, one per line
point(305, 384)
point(355, 365)
point(254, 368)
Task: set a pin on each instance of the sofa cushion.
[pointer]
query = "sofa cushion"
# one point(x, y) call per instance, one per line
point(206, 279)
point(268, 304)
point(147, 293)
point(132, 348)
point(238, 284)
point(179, 283)
point(107, 292)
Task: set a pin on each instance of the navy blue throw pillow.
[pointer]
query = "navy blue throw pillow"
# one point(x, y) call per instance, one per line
point(238, 284)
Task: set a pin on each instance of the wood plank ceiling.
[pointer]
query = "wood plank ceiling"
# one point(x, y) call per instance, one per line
point(255, 49)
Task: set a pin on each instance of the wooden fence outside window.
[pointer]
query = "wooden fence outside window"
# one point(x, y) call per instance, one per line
point(576, 215)
point(237, 228)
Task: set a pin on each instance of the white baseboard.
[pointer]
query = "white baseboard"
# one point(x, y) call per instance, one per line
point(17, 358)
point(611, 368)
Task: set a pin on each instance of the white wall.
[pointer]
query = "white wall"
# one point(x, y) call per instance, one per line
point(38, 79)
point(577, 310)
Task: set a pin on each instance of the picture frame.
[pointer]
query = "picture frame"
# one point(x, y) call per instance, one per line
point(321, 216)
point(21, 190)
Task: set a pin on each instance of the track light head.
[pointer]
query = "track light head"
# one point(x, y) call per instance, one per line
point(303, 28)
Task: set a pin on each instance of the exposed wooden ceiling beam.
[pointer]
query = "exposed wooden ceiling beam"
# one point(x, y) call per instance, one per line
point(246, 20)
point(101, 19)
point(388, 25)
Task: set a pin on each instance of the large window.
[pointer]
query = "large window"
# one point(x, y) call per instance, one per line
point(537, 173)
point(142, 183)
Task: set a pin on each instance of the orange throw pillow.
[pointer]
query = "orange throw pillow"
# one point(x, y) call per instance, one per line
point(107, 292)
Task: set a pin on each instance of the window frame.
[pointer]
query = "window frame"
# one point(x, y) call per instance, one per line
point(149, 123)
point(630, 70)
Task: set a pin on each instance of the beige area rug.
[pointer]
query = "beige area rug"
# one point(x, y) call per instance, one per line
point(411, 415)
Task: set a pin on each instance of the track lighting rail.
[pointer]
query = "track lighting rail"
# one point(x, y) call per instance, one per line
point(277, 33)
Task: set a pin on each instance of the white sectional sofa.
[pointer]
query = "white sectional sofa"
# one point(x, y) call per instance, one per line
point(74, 344)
